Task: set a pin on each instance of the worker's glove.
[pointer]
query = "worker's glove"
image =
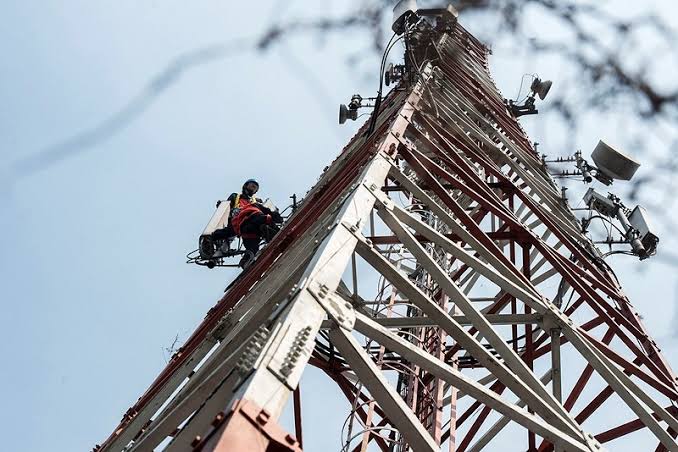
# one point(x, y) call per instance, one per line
point(277, 218)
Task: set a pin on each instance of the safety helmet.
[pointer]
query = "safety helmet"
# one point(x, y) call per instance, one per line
point(248, 181)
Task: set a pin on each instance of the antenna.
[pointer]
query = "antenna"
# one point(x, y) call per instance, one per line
point(350, 111)
point(401, 11)
point(537, 88)
point(612, 164)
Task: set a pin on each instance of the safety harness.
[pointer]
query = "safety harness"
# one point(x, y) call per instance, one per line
point(241, 214)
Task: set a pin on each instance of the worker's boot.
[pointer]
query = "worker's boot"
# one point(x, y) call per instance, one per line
point(246, 260)
point(268, 231)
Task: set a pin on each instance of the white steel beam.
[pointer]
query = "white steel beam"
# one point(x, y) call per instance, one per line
point(452, 376)
point(502, 422)
point(556, 413)
point(386, 396)
point(469, 343)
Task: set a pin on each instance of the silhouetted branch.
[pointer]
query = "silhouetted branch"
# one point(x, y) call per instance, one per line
point(128, 113)
point(608, 61)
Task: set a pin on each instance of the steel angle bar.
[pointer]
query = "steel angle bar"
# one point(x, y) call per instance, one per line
point(469, 184)
point(198, 423)
point(585, 376)
point(462, 280)
point(544, 276)
point(631, 368)
point(124, 435)
point(190, 399)
point(556, 370)
point(514, 286)
point(574, 233)
point(244, 319)
point(465, 340)
point(452, 376)
point(469, 283)
point(167, 421)
point(270, 384)
point(633, 387)
point(514, 362)
point(461, 394)
point(386, 396)
point(499, 425)
point(622, 385)
point(297, 416)
point(494, 262)
point(474, 235)
point(628, 427)
point(416, 322)
point(553, 201)
point(615, 319)
point(261, 294)
point(539, 264)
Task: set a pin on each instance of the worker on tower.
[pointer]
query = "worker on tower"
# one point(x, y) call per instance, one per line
point(250, 220)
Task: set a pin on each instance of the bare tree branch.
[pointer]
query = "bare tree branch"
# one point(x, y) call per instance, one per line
point(607, 56)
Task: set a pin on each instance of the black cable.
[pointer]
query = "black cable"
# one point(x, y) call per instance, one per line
point(377, 102)
point(604, 220)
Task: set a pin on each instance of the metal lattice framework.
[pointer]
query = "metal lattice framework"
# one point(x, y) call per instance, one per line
point(493, 313)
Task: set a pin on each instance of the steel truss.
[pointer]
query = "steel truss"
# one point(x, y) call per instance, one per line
point(485, 284)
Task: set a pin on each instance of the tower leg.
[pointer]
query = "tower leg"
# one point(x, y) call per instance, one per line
point(247, 428)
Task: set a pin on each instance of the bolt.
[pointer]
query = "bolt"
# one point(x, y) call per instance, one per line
point(196, 441)
point(263, 417)
point(217, 419)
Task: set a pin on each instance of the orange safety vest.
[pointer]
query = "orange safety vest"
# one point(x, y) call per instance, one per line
point(245, 209)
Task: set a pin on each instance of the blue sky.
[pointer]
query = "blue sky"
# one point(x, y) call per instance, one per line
point(95, 284)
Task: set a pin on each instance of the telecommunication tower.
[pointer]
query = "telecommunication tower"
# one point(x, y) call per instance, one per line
point(494, 315)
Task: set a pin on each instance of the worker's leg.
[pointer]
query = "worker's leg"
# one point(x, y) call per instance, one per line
point(256, 220)
point(221, 239)
point(249, 232)
point(251, 248)
point(263, 226)
point(251, 244)
point(224, 233)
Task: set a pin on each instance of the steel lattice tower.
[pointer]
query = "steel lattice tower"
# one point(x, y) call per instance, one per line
point(484, 281)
